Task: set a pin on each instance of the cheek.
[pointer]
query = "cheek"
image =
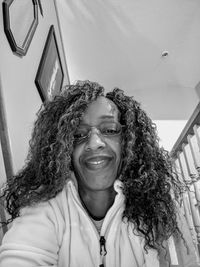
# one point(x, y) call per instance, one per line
point(76, 155)
point(116, 147)
point(119, 151)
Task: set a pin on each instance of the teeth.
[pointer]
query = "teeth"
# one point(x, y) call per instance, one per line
point(96, 162)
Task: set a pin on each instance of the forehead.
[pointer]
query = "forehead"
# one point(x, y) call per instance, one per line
point(100, 109)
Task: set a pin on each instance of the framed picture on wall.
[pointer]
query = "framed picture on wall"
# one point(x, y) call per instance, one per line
point(20, 20)
point(49, 77)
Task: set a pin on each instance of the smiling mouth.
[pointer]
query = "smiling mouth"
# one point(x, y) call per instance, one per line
point(96, 163)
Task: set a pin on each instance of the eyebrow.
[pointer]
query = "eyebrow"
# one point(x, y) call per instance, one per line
point(107, 117)
point(101, 118)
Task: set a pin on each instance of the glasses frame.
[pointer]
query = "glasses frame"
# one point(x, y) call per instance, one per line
point(83, 139)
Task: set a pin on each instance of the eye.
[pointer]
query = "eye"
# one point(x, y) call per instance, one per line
point(110, 128)
point(81, 133)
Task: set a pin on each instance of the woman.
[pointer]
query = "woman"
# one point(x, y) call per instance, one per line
point(96, 187)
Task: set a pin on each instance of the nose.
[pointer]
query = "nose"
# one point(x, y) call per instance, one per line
point(95, 141)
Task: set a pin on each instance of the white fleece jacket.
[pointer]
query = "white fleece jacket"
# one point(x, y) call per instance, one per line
point(60, 233)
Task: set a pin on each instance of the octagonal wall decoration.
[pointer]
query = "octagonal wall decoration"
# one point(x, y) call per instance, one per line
point(20, 19)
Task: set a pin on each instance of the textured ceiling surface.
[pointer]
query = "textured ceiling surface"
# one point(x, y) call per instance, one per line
point(149, 48)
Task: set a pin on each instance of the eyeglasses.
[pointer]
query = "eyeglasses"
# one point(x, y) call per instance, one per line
point(106, 129)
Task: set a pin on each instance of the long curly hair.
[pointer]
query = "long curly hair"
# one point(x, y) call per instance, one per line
point(146, 172)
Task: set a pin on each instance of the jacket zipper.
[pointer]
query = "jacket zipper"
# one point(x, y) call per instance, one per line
point(102, 242)
point(103, 250)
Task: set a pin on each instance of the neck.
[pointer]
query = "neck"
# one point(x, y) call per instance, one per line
point(97, 203)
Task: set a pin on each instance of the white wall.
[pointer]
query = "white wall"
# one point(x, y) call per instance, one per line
point(21, 97)
point(169, 131)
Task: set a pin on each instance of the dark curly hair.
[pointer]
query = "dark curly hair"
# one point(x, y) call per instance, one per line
point(146, 172)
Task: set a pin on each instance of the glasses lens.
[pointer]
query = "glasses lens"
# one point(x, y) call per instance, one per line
point(81, 133)
point(110, 128)
point(105, 128)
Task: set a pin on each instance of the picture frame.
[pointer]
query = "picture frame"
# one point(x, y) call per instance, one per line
point(49, 77)
point(20, 19)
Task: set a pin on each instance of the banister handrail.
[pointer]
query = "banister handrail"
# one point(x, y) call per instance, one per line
point(187, 130)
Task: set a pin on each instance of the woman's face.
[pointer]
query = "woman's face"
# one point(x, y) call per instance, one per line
point(96, 158)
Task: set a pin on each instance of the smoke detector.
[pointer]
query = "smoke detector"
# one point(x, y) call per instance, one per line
point(165, 53)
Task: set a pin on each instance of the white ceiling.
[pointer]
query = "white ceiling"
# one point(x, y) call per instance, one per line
point(120, 43)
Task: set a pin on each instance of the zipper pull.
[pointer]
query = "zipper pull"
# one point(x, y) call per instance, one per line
point(102, 246)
